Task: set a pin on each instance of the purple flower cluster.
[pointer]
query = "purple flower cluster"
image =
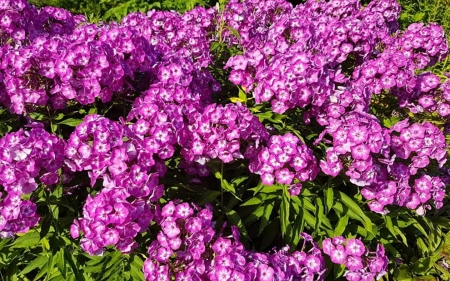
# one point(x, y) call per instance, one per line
point(357, 139)
point(298, 57)
point(83, 62)
point(361, 264)
point(22, 22)
point(188, 248)
point(225, 132)
point(26, 156)
point(285, 160)
point(421, 142)
point(251, 19)
point(324, 58)
point(161, 124)
point(429, 96)
point(90, 146)
point(167, 123)
point(387, 163)
point(111, 218)
point(403, 178)
point(395, 67)
point(109, 150)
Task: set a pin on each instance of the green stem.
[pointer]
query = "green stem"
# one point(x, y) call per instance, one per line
point(50, 118)
point(445, 63)
point(221, 187)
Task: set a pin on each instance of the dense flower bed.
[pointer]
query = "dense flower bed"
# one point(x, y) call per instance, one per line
point(293, 97)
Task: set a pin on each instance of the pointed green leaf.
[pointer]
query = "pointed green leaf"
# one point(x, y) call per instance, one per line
point(136, 268)
point(38, 262)
point(236, 220)
point(72, 122)
point(30, 239)
point(285, 211)
point(329, 197)
point(265, 219)
point(342, 224)
point(319, 213)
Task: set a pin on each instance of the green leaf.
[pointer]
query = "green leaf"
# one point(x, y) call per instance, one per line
point(309, 218)
point(242, 95)
point(402, 236)
point(72, 122)
point(319, 213)
point(265, 219)
point(136, 268)
point(421, 266)
point(208, 196)
point(271, 232)
point(420, 228)
point(60, 262)
point(297, 228)
point(362, 217)
point(258, 199)
point(419, 16)
point(215, 45)
point(37, 116)
point(31, 238)
point(402, 273)
point(73, 264)
point(38, 262)
point(264, 115)
point(423, 249)
point(329, 197)
point(285, 211)
point(234, 32)
point(342, 224)
point(444, 273)
point(255, 215)
point(339, 270)
point(3, 242)
point(45, 269)
point(253, 201)
point(389, 225)
point(236, 220)
point(224, 183)
point(388, 123)
point(58, 278)
point(425, 278)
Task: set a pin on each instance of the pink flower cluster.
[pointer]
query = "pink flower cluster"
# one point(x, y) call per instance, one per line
point(22, 22)
point(111, 218)
point(83, 62)
point(387, 163)
point(298, 57)
point(361, 264)
point(435, 97)
point(225, 132)
point(357, 138)
point(188, 248)
point(285, 160)
point(90, 145)
point(26, 156)
point(404, 179)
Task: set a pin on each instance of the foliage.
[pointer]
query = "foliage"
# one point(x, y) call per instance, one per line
point(107, 10)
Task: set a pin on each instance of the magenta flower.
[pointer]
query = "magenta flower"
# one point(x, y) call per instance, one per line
point(338, 255)
point(265, 273)
point(354, 247)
